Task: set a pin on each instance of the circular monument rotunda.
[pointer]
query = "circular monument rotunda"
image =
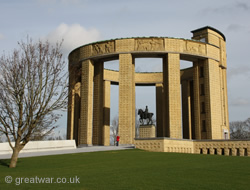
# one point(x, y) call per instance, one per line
point(190, 103)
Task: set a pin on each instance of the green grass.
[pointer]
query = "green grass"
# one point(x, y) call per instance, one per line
point(132, 169)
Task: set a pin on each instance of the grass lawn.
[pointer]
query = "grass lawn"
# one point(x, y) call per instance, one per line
point(129, 169)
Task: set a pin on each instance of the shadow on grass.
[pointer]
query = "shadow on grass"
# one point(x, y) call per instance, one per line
point(4, 163)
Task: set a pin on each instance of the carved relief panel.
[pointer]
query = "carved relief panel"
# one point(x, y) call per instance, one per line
point(103, 48)
point(195, 48)
point(149, 44)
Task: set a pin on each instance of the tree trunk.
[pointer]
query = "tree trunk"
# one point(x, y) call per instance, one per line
point(14, 157)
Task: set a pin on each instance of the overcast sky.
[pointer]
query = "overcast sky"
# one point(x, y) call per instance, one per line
point(82, 21)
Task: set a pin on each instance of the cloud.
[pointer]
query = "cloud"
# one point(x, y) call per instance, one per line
point(240, 102)
point(243, 6)
point(1, 36)
point(235, 28)
point(242, 70)
point(73, 36)
point(227, 8)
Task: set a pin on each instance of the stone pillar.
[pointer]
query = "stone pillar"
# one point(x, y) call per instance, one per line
point(204, 150)
point(234, 153)
point(85, 130)
point(224, 100)
point(186, 110)
point(126, 98)
point(77, 108)
point(196, 94)
point(70, 121)
point(212, 151)
point(241, 151)
point(224, 72)
point(219, 152)
point(106, 114)
point(212, 99)
point(159, 114)
point(226, 151)
point(133, 101)
point(71, 110)
point(172, 96)
point(98, 104)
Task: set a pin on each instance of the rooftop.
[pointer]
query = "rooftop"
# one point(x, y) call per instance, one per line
point(211, 28)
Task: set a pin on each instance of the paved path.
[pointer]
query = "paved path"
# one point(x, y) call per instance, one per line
point(68, 151)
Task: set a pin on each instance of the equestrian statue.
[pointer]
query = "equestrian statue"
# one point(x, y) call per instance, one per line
point(145, 115)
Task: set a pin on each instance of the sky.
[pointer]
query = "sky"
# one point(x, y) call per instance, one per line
point(83, 21)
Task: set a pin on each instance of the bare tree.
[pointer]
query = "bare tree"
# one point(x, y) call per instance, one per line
point(56, 136)
point(240, 129)
point(33, 86)
point(114, 129)
point(247, 123)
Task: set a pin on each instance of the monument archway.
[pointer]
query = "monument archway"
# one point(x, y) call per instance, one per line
point(204, 91)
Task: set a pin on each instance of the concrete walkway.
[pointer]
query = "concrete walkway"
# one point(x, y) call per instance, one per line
point(68, 151)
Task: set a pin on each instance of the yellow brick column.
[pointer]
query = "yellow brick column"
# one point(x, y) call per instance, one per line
point(126, 98)
point(172, 96)
point(223, 73)
point(133, 101)
point(106, 114)
point(77, 108)
point(224, 100)
point(196, 94)
point(186, 109)
point(159, 114)
point(85, 130)
point(213, 99)
point(98, 104)
point(71, 110)
point(70, 121)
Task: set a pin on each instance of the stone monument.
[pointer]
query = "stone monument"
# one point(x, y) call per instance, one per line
point(147, 127)
point(191, 103)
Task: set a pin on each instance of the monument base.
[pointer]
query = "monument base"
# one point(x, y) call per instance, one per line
point(147, 131)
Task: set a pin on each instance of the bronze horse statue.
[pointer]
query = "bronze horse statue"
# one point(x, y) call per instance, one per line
point(145, 116)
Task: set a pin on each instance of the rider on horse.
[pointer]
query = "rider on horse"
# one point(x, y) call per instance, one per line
point(146, 112)
point(145, 115)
